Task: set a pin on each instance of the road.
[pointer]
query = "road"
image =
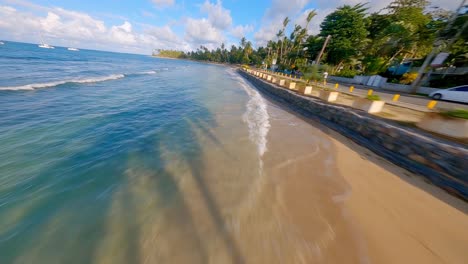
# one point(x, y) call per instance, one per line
point(405, 99)
point(415, 102)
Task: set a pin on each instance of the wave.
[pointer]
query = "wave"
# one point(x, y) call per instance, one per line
point(34, 86)
point(148, 72)
point(256, 116)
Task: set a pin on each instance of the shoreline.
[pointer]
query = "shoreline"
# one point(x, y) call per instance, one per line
point(365, 209)
point(402, 146)
point(235, 66)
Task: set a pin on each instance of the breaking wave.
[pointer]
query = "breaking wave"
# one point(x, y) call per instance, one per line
point(256, 116)
point(33, 86)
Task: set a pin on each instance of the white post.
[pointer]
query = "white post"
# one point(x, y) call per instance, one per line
point(292, 85)
point(308, 90)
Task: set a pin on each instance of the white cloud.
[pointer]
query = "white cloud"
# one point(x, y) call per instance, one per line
point(164, 33)
point(147, 14)
point(64, 27)
point(163, 3)
point(314, 26)
point(202, 32)
point(240, 31)
point(123, 33)
point(210, 31)
point(266, 33)
point(218, 16)
point(280, 9)
point(70, 28)
point(272, 21)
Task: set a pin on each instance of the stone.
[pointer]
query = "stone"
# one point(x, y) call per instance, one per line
point(368, 106)
point(306, 90)
point(292, 86)
point(328, 96)
point(417, 158)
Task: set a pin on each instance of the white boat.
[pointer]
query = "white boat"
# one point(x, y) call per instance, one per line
point(2, 43)
point(45, 46)
point(73, 49)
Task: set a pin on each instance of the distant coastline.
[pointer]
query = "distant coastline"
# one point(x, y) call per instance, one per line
point(201, 61)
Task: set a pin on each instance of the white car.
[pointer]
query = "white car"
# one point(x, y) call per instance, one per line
point(456, 94)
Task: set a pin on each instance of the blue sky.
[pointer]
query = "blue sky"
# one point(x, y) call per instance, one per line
point(139, 26)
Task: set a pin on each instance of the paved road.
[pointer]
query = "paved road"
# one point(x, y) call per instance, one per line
point(418, 101)
point(415, 102)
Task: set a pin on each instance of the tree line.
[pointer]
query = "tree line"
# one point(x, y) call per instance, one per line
point(359, 42)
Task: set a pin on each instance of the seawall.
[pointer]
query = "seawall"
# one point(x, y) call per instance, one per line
point(442, 162)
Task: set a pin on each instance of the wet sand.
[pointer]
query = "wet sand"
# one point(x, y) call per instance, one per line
point(317, 198)
point(312, 197)
point(351, 206)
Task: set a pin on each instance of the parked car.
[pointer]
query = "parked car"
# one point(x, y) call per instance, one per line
point(456, 94)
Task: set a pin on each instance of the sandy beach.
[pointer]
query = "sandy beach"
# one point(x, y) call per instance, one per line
point(320, 198)
point(317, 198)
point(366, 209)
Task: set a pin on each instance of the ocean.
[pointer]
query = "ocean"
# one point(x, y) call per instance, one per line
point(120, 158)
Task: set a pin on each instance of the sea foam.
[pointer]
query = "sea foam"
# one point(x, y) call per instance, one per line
point(256, 116)
point(33, 86)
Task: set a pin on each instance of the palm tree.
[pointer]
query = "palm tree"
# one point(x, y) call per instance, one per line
point(311, 15)
point(248, 50)
point(223, 52)
point(279, 35)
point(243, 42)
point(285, 24)
point(301, 33)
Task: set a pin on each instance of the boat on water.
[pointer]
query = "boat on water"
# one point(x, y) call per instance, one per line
point(2, 43)
point(45, 46)
point(73, 49)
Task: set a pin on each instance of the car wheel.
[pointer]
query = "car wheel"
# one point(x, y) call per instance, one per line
point(437, 96)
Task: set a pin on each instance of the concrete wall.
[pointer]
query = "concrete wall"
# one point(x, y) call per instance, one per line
point(441, 162)
point(406, 88)
point(342, 79)
point(376, 81)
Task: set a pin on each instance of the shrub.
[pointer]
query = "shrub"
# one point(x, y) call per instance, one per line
point(373, 97)
point(311, 73)
point(408, 77)
point(457, 113)
point(347, 73)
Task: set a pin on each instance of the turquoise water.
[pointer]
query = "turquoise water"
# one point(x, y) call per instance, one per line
point(95, 146)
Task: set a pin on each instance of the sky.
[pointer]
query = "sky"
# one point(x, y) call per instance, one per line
point(139, 26)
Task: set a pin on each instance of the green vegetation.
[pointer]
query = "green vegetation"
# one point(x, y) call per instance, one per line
point(311, 72)
point(348, 31)
point(408, 77)
point(348, 73)
point(373, 97)
point(169, 54)
point(458, 113)
point(360, 42)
